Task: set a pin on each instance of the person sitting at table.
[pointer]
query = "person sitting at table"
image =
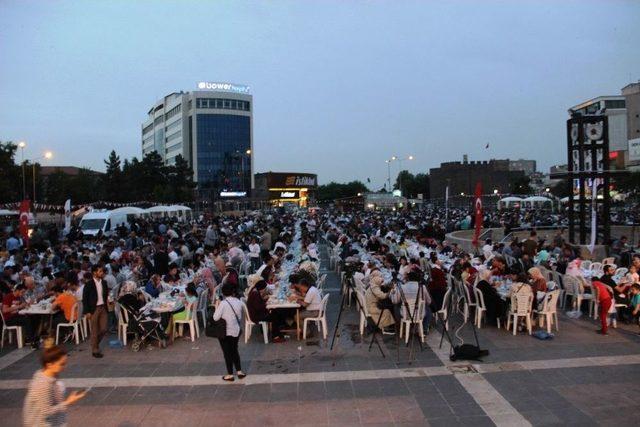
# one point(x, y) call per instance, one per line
point(258, 312)
point(172, 277)
point(538, 285)
point(12, 303)
point(308, 296)
point(495, 305)
point(190, 300)
point(499, 266)
point(154, 286)
point(64, 302)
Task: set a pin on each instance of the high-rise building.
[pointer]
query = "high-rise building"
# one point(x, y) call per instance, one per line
point(212, 129)
point(631, 93)
point(614, 108)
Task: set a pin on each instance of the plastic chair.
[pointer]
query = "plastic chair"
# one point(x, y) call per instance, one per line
point(364, 313)
point(621, 271)
point(418, 315)
point(520, 307)
point(443, 313)
point(321, 281)
point(123, 323)
point(190, 320)
point(248, 326)
point(9, 329)
point(321, 320)
point(585, 265)
point(481, 308)
point(467, 301)
point(74, 323)
point(549, 311)
point(608, 261)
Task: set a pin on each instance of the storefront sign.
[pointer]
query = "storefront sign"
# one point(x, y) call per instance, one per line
point(284, 194)
point(634, 150)
point(233, 193)
point(285, 180)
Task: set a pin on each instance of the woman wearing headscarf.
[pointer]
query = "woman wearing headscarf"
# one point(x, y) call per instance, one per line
point(377, 300)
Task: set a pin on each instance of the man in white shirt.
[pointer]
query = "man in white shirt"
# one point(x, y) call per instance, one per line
point(308, 296)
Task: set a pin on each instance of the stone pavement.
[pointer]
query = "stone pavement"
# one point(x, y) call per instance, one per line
point(579, 378)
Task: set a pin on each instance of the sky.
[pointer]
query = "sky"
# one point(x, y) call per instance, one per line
point(338, 86)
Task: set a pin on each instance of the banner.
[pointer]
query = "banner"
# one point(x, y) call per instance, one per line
point(478, 211)
point(24, 222)
point(594, 215)
point(67, 216)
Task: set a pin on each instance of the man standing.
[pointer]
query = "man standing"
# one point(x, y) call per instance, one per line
point(94, 302)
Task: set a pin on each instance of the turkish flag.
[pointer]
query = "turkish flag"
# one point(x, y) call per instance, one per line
point(477, 207)
point(24, 221)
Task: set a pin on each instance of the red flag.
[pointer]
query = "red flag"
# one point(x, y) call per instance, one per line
point(24, 221)
point(478, 211)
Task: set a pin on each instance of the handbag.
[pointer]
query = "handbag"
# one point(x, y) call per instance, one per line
point(218, 328)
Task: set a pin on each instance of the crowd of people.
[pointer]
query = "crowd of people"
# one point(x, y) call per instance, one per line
point(239, 262)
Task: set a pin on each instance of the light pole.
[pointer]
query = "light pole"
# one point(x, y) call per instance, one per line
point(23, 144)
point(400, 160)
point(388, 162)
point(47, 155)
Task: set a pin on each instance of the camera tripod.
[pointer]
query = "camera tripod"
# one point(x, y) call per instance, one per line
point(346, 287)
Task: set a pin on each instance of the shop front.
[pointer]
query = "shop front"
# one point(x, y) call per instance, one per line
point(286, 188)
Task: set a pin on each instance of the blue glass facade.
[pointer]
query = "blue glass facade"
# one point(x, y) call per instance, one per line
point(222, 143)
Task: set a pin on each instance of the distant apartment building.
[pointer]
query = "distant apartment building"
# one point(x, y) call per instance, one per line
point(527, 166)
point(631, 95)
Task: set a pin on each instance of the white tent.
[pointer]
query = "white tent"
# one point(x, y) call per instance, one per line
point(509, 202)
point(537, 202)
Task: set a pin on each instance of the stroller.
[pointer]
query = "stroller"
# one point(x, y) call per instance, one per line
point(141, 323)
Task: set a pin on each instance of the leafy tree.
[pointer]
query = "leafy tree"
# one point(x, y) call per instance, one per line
point(334, 190)
point(412, 185)
point(10, 174)
point(113, 177)
point(522, 186)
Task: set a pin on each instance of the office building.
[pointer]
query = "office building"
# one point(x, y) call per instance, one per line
point(631, 95)
point(461, 177)
point(614, 108)
point(212, 129)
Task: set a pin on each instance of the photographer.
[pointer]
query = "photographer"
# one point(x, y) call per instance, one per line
point(378, 302)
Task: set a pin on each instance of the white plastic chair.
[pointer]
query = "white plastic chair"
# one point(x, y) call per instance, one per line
point(418, 315)
point(609, 261)
point(248, 326)
point(9, 330)
point(549, 311)
point(520, 307)
point(596, 268)
point(74, 323)
point(190, 320)
point(481, 308)
point(321, 281)
point(364, 313)
point(123, 323)
point(467, 301)
point(443, 313)
point(585, 265)
point(621, 271)
point(321, 320)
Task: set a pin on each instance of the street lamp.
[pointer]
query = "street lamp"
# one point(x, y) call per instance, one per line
point(400, 160)
point(47, 155)
point(495, 191)
point(23, 144)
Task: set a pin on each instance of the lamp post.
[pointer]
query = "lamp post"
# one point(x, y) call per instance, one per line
point(23, 144)
point(47, 155)
point(400, 160)
point(388, 162)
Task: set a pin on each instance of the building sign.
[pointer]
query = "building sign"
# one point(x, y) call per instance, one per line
point(634, 150)
point(284, 194)
point(300, 181)
point(233, 193)
point(287, 180)
point(224, 87)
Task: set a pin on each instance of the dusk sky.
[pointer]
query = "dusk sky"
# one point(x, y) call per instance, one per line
point(338, 86)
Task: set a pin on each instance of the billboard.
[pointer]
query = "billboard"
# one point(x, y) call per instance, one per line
point(634, 150)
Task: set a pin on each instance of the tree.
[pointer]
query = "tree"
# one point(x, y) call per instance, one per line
point(113, 178)
point(412, 185)
point(334, 190)
point(10, 174)
point(522, 186)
